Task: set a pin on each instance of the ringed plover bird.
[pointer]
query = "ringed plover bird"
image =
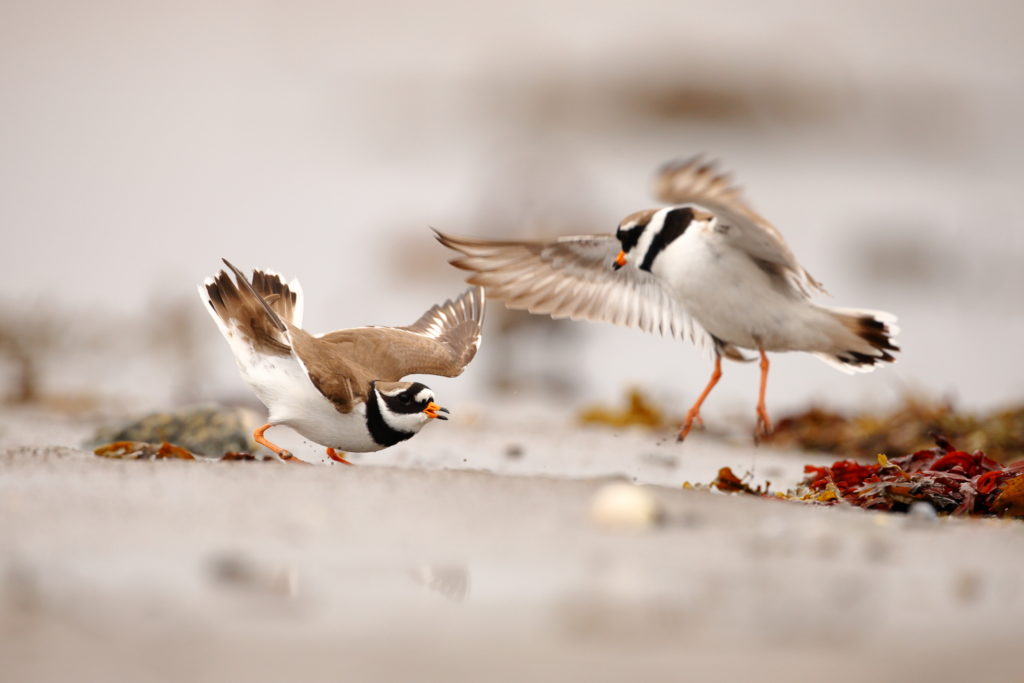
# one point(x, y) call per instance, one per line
point(706, 268)
point(342, 389)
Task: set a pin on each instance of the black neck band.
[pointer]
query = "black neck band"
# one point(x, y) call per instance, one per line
point(380, 431)
point(676, 223)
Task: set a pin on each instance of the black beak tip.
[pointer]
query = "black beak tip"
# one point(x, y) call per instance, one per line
point(616, 266)
point(442, 417)
point(443, 410)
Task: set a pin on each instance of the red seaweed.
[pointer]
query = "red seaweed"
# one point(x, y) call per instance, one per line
point(951, 481)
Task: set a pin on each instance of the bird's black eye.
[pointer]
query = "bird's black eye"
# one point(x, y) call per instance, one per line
point(628, 237)
point(404, 399)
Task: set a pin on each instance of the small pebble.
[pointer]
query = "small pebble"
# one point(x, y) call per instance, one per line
point(922, 511)
point(625, 506)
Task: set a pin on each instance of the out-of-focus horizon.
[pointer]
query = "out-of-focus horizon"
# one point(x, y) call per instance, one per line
point(138, 145)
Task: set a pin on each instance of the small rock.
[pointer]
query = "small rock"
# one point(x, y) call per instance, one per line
point(208, 430)
point(625, 506)
point(922, 511)
point(239, 571)
point(230, 568)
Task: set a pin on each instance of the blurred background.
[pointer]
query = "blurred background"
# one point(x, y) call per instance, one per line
point(141, 143)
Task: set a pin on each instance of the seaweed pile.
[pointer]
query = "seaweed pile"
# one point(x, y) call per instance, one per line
point(904, 430)
point(639, 412)
point(951, 481)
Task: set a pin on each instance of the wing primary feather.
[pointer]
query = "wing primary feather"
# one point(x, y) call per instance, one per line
point(570, 277)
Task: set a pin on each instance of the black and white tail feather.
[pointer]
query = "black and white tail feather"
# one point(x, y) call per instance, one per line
point(865, 340)
point(254, 312)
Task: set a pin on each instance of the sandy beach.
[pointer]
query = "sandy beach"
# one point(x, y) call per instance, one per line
point(166, 570)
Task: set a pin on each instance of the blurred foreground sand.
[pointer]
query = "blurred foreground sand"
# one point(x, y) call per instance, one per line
point(144, 570)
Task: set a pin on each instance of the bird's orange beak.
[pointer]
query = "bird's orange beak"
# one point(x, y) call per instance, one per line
point(620, 260)
point(434, 411)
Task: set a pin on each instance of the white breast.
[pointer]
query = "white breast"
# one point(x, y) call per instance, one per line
point(316, 418)
point(735, 300)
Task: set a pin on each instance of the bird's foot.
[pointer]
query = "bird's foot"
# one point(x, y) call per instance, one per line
point(691, 417)
point(281, 453)
point(764, 424)
point(693, 414)
point(337, 457)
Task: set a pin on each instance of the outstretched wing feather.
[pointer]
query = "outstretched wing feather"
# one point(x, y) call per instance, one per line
point(572, 277)
point(442, 342)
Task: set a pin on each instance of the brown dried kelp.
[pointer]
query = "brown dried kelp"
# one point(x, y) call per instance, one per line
point(639, 411)
point(904, 430)
point(142, 450)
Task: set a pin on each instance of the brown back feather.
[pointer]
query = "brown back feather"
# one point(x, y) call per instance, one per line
point(330, 369)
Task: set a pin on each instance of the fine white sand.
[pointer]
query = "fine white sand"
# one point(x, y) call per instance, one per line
point(402, 569)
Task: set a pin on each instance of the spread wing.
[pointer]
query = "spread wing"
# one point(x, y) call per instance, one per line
point(572, 277)
point(442, 342)
point(693, 181)
point(454, 328)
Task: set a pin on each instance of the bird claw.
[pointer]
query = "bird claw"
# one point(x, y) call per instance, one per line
point(281, 453)
point(688, 425)
point(337, 457)
point(286, 456)
point(764, 425)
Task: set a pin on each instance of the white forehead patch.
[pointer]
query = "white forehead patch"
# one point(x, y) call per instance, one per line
point(652, 228)
point(424, 395)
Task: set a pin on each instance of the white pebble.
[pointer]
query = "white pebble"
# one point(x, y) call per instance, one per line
point(922, 511)
point(625, 506)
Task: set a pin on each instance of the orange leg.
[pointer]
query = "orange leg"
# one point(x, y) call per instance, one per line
point(336, 456)
point(278, 451)
point(694, 412)
point(764, 423)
